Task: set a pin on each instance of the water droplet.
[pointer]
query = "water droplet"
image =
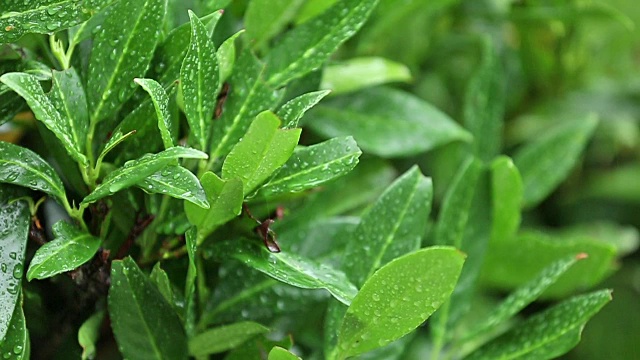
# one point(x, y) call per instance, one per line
point(13, 255)
point(17, 272)
point(17, 349)
point(4, 268)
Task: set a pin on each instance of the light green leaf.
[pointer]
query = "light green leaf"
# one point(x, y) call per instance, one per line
point(278, 353)
point(14, 233)
point(266, 18)
point(122, 51)
point(116, 139)
point(548, 334)
point(135, 171)
point(70, 248)
point(546, 162)
point(386, 122)
point(144, 324)
point(44, 109)
point(506, 196)
point(363, 72)
point(89, 333)
point(262, 151)
point(161, 104)
point(294, 109)
point(309, 45)
point(176, 182)
point(224, 338)
point(199, 77)
point(227, 56)
point(44, 16)
point(225, 199)
point(312, 166)
point(23, 167)
point(15, 342)
point(398, 298)
point(289, 268)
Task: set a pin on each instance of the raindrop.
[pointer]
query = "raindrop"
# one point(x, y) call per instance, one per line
point(13, 255)
point(17, 349)
point(17, 272)
point(4, 268)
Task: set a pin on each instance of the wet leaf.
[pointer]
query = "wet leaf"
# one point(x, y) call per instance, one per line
point(23, 167)
point(122, 51)
point(190, 282)
point(225, 199)
point(289, 268)
point(398, 298)
point(386, 122)
point(135, 171)
point(15, 342)
point(278, 353)
point(69, 249)
point(89, 333)
point(44, 16)
point(262, 151)
point(546, 162)
point(308, 46)
point(315, 165)
point(147, 134)
point(294, 109)
point(227, 56)
point(224, 338)
point(177, 182)
point(161, 280)
point(14, 233)
point(548, 334)
point(506, 196)
point(362, 72)
point(143, 323)
point(199, 77)
point(161, 104)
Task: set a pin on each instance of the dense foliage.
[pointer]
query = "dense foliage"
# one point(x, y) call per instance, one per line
point(181, 181)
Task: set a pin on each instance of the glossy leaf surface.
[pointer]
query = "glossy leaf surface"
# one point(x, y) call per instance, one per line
point(363, 72)
point(143, 323)
point(278, 353)
point(387, 308)
point(15, 342)
point(386, 122)
point(161, 104)
point(227, 56)
point(69, 249)
point(23, 167)
point(294, 109)
point(314, 165)
point(68, 97)
point(135, 171)
point(176, 182)
point(262, 151)
point(224, 338)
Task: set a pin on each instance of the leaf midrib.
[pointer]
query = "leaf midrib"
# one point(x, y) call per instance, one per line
point(30, 169)
point(312, 169)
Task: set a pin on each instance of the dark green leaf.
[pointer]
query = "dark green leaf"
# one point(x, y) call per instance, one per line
point(161, 104)
point(15, 342)
point(398, 298)
point(135, 171)
point(144, 324)
point(147, 135)
point(294, 109)
point(224, 338)
point(88, 335)
point(68, 97)
point(314, 165)
point(309, 45)
point(190, 282)
point(70, 248)
point(122, 51)
point(546, 162)
point(262, 151)
point(363, 72)
point(14, 232)
point(161, 280)
point(176, 182)
point(199, 77)
point(506, 196)
point(386, 122)
point(23, 167)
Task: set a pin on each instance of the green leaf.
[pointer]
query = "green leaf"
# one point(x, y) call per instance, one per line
point(15, 342)
point(190, 282)
point(386, 122)
point(227, 56)
point(398, 298)
point(289, 268)
point(67, 96)
point(248, 96)
point(266, 18)
point(257, 348)
point(70, 248)
point(224, 338)
point(44, 16)
point(44, 108)
point(548, 334)
point(363, 72)
point(199, 77)
point(312, 166)
point(135, 171)
point(177, 182)
point(278, 353)
point(294, 109)
point(225, 199)
point(161, 104)
point(122, 51)
point(262, 151)
point(144, 324)
point(83, 31)
point(89, 333)
point(506, 196)
point(23, 167)
point(485, 104)
point(147, 133)
point(14, 233)
point(116, 139)
point(309, 45)
point(392, 227)
point(546, 162)
point(161, 280)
